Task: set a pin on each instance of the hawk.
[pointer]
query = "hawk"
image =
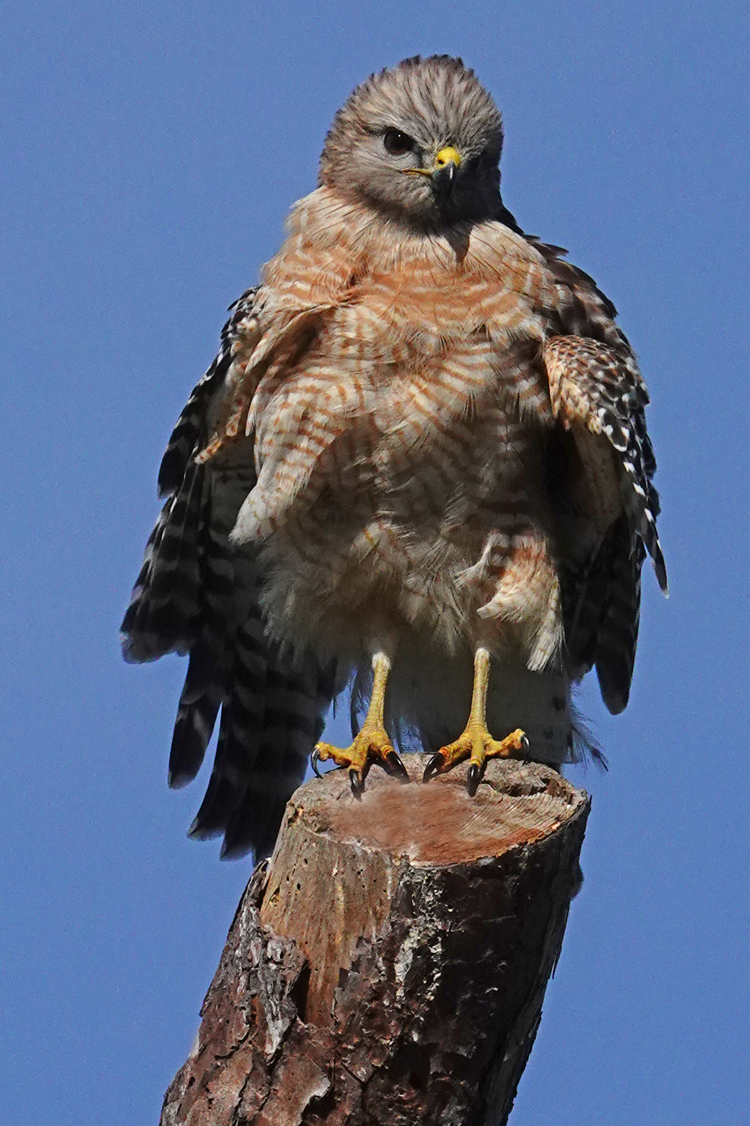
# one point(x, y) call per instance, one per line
point(419, 460)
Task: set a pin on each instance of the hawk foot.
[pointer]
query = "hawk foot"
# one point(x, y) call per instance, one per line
point(477, 744)
point(371, 745)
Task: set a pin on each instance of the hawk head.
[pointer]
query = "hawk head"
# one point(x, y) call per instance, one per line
point(420, 142)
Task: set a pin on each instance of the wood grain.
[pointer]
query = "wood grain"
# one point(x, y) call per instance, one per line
point(389, 964)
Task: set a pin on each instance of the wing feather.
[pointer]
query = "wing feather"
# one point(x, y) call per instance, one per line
point(599, 398)
point(198, 594)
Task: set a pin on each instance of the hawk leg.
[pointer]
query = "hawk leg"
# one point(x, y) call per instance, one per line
point(372, 743)
point(475, 742)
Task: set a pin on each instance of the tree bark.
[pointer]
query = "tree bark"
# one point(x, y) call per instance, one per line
point(387, 966)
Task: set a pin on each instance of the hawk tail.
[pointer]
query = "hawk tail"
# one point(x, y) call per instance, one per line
point(603, 629)
point(164, 609)
point(196, 595)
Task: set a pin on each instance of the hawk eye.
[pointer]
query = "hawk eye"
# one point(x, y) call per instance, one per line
point(397, 143)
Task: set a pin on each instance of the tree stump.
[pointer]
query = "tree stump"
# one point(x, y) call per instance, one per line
point(387, 966)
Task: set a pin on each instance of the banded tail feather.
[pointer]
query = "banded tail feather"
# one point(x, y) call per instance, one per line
point(296, 701)
point(194, 594)
point(618, 632)
point(240, 730)
point(207, 673)
point(602, 623)
point(584, 593)
point(271, 708)
point(164, 612)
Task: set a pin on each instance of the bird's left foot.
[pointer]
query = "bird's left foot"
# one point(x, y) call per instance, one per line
point(370, 745)
point(476, 744)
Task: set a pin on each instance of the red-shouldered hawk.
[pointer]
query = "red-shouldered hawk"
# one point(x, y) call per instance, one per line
point(421, 447)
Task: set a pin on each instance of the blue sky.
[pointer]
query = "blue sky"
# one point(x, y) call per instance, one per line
point(150, 153)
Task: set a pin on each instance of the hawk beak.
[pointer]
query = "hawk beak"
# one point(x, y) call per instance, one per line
point(444, 172)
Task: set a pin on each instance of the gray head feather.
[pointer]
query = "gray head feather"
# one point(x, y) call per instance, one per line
point(434, 103)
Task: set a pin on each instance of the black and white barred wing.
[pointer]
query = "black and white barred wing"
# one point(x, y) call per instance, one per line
point(164, 611)
point(196, 594)
point(599, 398)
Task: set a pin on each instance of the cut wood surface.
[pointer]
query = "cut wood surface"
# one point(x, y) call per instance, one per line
point(388, 965)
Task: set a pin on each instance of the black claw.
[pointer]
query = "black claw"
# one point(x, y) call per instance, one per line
point(357, 784)
point(395, 767)
point(433, 766)
point(314, 760)
point(473, 778)
point(525, 745)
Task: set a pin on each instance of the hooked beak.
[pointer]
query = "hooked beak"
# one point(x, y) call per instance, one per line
point(443, 174)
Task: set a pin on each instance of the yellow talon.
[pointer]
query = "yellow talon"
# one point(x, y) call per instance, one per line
point(475, 742)
point(371, 744)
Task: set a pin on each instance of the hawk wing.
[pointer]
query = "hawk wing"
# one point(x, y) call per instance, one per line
point(197, 594)
point(609, 511)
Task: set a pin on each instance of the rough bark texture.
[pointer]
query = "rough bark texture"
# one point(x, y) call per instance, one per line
point(387, 967)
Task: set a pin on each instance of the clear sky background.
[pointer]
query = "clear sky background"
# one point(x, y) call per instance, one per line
point(150, 152)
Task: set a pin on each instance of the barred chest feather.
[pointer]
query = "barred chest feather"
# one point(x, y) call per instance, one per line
point(400, 478)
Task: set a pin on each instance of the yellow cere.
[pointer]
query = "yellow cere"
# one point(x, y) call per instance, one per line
point(448, 155)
